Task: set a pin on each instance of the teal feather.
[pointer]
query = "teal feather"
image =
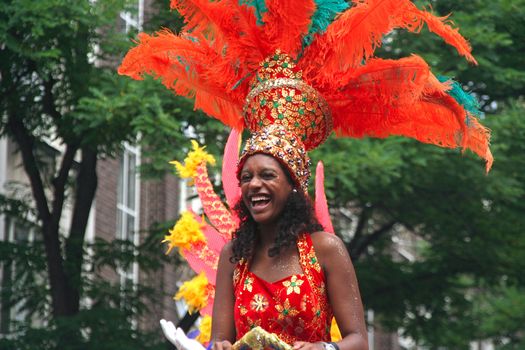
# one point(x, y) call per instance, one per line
point(259, 6)
point(325, 12)
point(469, 102)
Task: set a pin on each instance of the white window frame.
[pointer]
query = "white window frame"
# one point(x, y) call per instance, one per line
point(123, 210)
point(132, 21)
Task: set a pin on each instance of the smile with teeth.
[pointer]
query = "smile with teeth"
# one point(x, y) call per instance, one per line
point(260, 200)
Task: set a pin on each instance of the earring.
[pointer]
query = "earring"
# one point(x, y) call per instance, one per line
point(294, 190)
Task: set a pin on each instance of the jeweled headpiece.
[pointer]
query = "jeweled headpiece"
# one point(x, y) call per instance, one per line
point(278, 142)
point(286, 116)
point(280, 96)
point(309, 66)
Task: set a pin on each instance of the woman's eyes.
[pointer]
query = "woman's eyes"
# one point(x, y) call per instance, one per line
point(264, 176)
point(268, 176)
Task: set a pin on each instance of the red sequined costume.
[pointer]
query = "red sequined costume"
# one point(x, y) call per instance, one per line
point(295, 308)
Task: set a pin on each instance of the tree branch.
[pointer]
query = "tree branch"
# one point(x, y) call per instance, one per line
point(366, 212)
point(59, 184)
point(86, 186)
point(48, 101)
point(369, 239)
point(26, 144)
point(57, 276)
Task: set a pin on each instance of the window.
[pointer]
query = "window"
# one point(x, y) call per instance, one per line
point(133, 18)
point(15, 232)
point(128, 210)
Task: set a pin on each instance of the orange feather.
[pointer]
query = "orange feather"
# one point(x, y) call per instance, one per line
point(388, 81)
point(286, 22)
point(435, 119)
point(354, 36)
point(191, 70)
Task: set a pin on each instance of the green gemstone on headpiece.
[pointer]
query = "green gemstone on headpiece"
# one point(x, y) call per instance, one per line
point(276, 57)
point(266, 65)
point(296, 124)
point(275, 104)
point(313, 124)
point(305, 99)
point(261, 123)
point(280, 116)
point(263, 102)
point(285, 65)
point(301, 111)
point(289, 98)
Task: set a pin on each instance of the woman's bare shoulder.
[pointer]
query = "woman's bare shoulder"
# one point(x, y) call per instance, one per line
point(328, 246)
point(228, 248)
point(225, 259)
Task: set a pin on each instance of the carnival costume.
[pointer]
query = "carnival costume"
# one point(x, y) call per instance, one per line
point(291, 72)
point(295, 308)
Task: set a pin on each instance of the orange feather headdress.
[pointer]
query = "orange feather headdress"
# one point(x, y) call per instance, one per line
point(292, 71)
point(220, 57)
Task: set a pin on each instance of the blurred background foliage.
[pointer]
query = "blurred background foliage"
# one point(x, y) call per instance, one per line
point(464, 279)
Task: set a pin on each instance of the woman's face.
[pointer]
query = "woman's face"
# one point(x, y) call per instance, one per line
point(265, 188)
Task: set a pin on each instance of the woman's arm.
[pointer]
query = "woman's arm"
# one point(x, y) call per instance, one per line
point(343, 290)
point(223, 327)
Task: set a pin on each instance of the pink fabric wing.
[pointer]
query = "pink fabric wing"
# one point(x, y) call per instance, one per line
point(215, 211)
point(321, 206)
point(230, 184)
point(202, 259)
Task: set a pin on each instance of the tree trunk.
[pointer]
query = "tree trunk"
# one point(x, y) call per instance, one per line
point(86, 186)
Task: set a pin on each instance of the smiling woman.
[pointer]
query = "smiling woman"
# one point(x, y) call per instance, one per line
point(265, 188)
point(270, 207)
point(289, 277)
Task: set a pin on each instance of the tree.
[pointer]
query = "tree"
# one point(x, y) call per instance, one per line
point(59, 85)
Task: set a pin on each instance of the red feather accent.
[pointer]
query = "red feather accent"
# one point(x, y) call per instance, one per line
point(203, 16)
point(246, 40)
point(191, 69)
point(286, 22)
point(388, 82)
point(353, 37)
point(442, 26)
point(437, 119)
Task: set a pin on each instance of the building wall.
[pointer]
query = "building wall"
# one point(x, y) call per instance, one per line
point(159, 204)
point(106, 205)
point(159, 201)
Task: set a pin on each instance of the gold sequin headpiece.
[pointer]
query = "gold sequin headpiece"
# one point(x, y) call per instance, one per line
point(279, 96)
point(286, 116)
point(275, 140)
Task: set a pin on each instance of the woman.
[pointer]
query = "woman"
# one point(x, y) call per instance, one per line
point(268, 274)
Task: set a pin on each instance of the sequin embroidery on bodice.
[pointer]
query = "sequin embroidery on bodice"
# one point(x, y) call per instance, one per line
point(295, 308)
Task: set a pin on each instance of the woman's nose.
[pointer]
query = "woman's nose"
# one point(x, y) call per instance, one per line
point(255, 182)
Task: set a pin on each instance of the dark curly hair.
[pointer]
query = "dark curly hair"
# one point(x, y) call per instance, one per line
point(297, 218)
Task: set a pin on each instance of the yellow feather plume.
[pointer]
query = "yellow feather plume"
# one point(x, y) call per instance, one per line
point(195, 157)
point(205, 330)
point(194, 292)
point(186, 232)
